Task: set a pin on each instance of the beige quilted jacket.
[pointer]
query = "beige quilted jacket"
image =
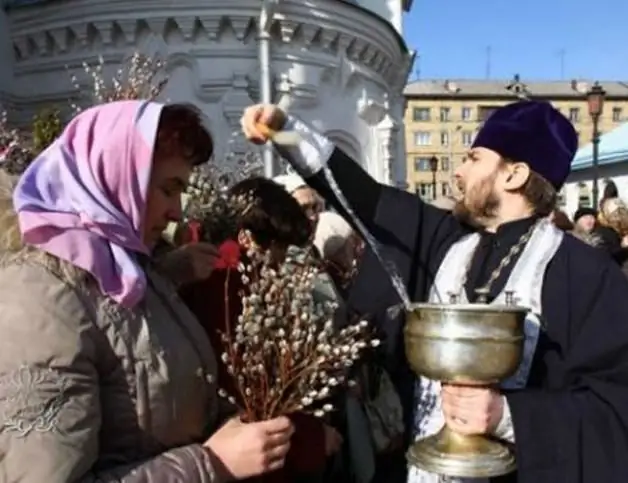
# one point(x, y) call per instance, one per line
point(92, 392)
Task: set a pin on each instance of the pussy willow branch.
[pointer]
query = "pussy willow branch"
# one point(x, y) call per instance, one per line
point(234, 358)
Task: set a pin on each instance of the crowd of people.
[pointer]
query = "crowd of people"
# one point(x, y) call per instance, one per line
point(111, 320)
point(604, 227)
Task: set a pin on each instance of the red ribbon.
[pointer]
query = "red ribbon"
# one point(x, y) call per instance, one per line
point(194, 228)
point(229, 251)
point(229, 255)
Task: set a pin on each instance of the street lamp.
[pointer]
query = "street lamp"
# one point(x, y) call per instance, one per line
point(433, 169)
point(595, 101)
point(518, 88)
point(453, 89)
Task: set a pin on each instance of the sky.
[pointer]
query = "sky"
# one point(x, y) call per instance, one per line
point(525, 37)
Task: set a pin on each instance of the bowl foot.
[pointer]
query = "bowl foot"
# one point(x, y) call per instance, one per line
point(450, 454)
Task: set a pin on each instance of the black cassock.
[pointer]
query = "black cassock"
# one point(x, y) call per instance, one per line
point(571, 421)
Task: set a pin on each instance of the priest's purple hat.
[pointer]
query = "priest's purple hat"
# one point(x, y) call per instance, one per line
point(535, 133)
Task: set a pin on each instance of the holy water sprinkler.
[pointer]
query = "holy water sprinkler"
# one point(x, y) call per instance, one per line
point(282, 138)
point(470, 344)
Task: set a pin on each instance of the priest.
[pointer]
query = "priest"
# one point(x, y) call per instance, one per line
point(567, 410)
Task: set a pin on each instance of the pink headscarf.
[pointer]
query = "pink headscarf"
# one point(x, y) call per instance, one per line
point(84, 198)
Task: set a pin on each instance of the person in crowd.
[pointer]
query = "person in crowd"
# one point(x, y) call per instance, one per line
point(16, 153)
point(589, 228)
point(567, 415)
point(585, 219)
point(612, 227)
point(309, 200)
point(560, 219)
point(104, 373)
point(271, 220)
point(372, 412)
point(338, 244)
point(610, 192)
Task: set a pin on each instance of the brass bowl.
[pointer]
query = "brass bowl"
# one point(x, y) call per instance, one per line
point(465, 344)
point(472, 344)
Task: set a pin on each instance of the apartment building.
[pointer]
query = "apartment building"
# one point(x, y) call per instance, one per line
point(443, 116)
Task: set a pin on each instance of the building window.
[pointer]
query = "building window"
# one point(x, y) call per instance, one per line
point(423, 189)
point(584, 195)
point(466, 114)
point(421, 114)
point(422, 138)
point(445, 190)
point(617, 114)
point(444, 163)
point(484, 112)
point(444, 138)
point(574, 114)
point(467, 138)
point(422, 164)
point(444, 114)
point(560, 199)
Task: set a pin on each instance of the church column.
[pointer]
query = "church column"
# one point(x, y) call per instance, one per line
point(375, 115)
point(387, 131)
point(266, 96)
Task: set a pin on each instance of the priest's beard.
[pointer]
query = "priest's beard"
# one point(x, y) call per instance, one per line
point(479, 204)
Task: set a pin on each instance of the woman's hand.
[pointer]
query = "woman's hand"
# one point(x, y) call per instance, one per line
point(189, 263)
point(201, 258)
point(246, 450)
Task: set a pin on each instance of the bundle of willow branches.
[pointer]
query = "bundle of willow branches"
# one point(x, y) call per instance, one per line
point(284, 354)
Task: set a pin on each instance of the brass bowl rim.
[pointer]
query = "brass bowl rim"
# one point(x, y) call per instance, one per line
point(513, 309)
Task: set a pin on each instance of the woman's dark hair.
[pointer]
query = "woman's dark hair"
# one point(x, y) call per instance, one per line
point(181, 132)
point(272, 215)
point(610, 190)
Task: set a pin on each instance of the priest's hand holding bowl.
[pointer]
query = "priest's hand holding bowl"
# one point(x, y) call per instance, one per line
point(472, 410)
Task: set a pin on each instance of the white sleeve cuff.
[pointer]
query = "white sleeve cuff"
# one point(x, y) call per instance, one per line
point(313, 151)
point(505, 429)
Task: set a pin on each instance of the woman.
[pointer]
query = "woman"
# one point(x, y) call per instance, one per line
point(272, 221)
point(308, 199)
point(613, 227)
point(104, 374)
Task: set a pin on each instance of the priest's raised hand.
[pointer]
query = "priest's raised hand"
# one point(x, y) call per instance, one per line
point(261, 121)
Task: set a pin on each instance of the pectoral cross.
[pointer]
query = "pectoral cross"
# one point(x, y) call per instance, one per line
point(453, 297)
point(510, 297)
point(482, 294)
